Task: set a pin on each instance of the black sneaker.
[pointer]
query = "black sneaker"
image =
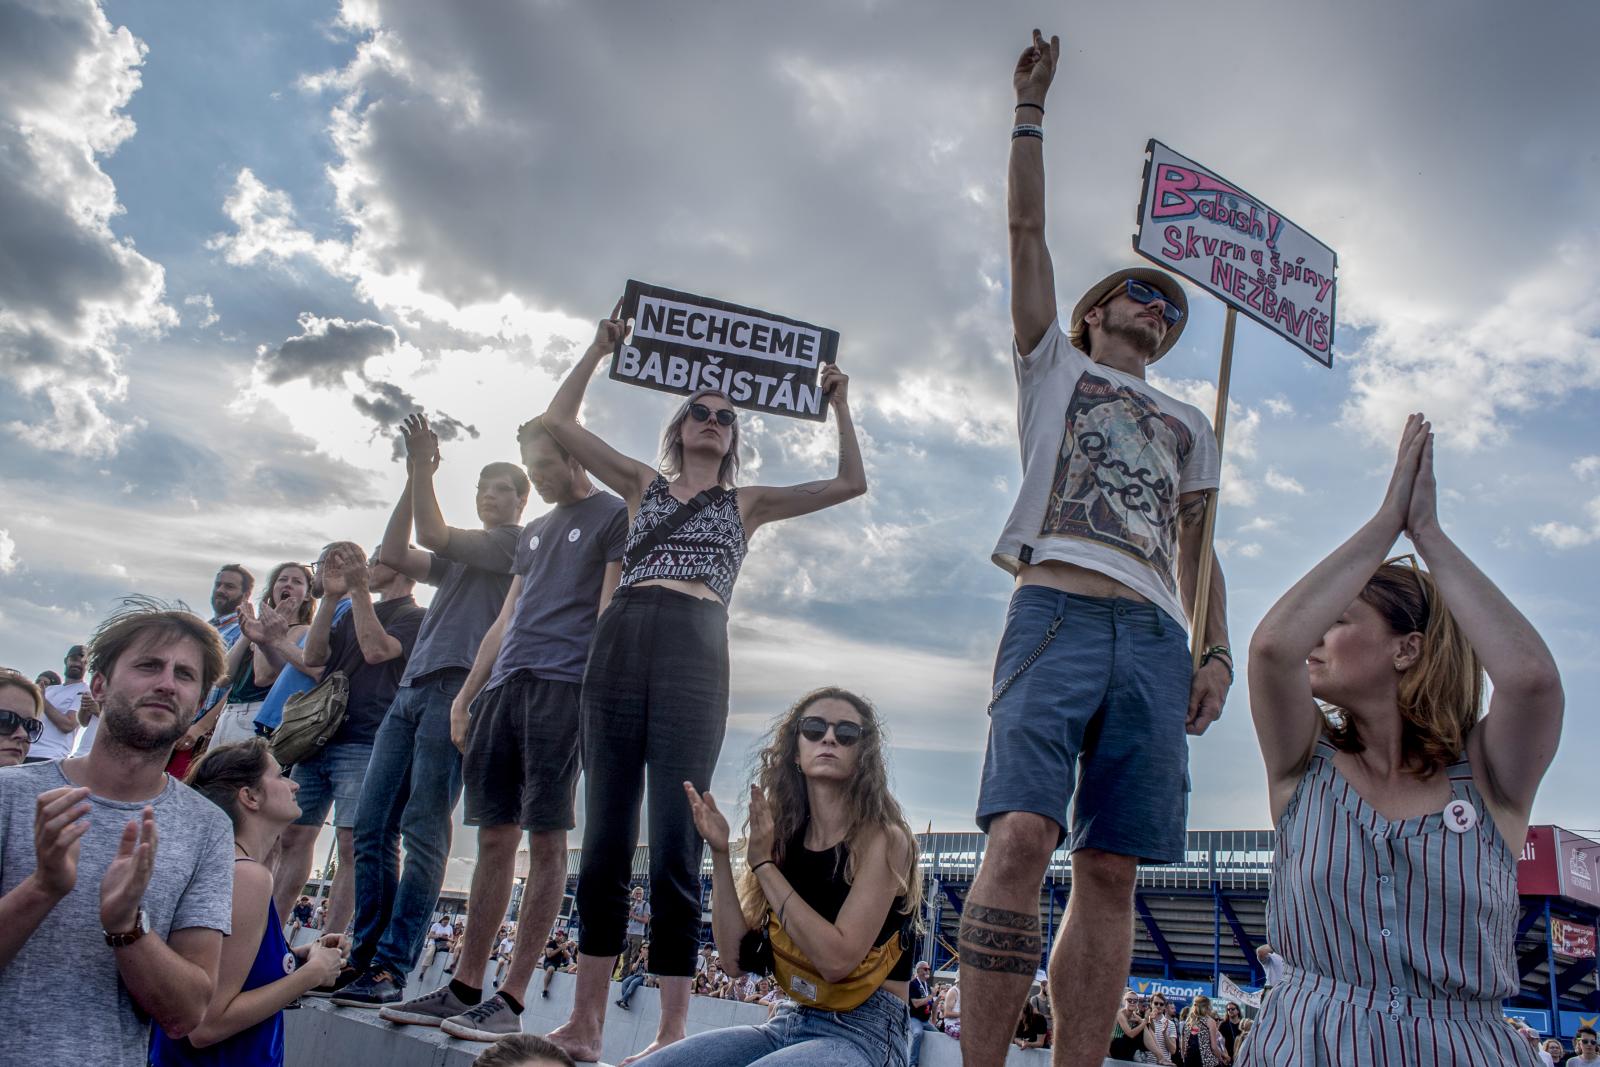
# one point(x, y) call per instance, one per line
point(373, 990)
point(347, 974)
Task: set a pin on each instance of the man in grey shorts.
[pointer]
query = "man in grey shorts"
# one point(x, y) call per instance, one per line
point(520, 736)
point(1093, 689)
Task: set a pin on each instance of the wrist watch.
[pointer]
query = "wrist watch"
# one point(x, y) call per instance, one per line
point(141, 926)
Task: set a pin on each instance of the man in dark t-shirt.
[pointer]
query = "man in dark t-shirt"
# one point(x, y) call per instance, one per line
point(414, 778)
point(516, 720)
point(369, 645)
point(920, 997)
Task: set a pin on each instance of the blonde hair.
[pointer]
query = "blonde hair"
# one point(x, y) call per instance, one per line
point(17, 680)
point(1199, 1008)
point(872, 808)
point(672, 442)
point(1441, 694)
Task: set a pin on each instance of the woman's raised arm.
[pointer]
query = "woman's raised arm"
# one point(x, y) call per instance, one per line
point(1286, 717)
point(761, 504)
point(626, 476)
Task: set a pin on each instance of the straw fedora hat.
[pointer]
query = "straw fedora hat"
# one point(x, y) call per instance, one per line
point(1159, 279)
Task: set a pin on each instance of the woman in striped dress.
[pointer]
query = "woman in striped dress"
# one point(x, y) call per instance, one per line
point(1400, 812)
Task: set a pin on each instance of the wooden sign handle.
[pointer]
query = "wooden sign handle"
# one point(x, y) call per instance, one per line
point(1202, 585)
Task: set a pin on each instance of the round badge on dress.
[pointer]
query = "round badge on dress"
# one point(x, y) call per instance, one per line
point(1460, 816)
point(574, 534)
point(288, 963)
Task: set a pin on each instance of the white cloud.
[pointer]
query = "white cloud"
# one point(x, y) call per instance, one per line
point(1586, 467)
point(70, 288)
point(8, 553)
point(1250, 551)
point(208, 313)
point(1282, 483)
point(1566, 535)
point(1260, 523)
point(1279, 406)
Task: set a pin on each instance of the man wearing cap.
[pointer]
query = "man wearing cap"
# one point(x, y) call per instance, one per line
point(1093, 688)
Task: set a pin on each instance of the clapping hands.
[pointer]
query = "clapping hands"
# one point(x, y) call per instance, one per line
point(1411, 503)
point(422, 444)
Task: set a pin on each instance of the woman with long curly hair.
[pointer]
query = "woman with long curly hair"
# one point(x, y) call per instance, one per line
point(253, 665)
point(655, 689)
point(1399, 811)
point(827, 900)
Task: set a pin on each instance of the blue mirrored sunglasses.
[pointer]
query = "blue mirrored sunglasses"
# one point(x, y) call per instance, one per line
point(1146, 293)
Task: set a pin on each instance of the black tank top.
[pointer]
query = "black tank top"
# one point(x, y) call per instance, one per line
point(708, 548)
point(818, 878)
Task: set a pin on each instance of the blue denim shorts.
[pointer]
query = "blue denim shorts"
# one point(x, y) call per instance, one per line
point(1089, 703)
point(875, 1034)
point(331, 779)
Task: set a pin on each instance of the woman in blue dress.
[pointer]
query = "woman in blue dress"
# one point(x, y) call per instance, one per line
point(1400, 809)
point(258, 975)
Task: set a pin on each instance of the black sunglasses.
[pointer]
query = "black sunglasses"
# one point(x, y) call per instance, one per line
point(815, 728)
point(725, 416)
point(10, 720)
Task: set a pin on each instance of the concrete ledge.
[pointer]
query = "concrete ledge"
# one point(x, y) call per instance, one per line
point(320, 1035)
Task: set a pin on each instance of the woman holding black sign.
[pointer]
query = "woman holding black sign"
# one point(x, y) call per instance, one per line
point(655, 693)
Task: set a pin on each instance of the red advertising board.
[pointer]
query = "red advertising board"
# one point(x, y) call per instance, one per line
point(1559, 863)
point(1573, 940)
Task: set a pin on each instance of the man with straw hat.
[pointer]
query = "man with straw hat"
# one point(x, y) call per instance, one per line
point(1093, 684)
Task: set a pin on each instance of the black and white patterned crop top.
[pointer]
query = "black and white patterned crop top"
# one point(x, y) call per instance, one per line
point(708, 548)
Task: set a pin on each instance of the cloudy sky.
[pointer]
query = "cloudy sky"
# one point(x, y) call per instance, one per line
point(238, 242)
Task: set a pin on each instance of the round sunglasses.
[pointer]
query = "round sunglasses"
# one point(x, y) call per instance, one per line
point(10, 720)
point(815, 728)
point(724, 416)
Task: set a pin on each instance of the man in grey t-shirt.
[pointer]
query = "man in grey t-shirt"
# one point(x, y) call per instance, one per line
point(116, 881)
point(414, 778)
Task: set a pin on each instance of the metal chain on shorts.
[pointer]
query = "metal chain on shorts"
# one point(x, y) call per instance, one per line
point(1049, 635)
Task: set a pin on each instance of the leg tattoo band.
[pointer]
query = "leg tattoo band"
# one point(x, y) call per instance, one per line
point(993, 939)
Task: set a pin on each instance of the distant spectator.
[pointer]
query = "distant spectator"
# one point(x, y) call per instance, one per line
point(227, 593)
point(638, 924)
point(522, 1050)
point(635, 977)
point(1554, 1049)
point(1127, 1030)
point(21, 717)
point(555, 958)
point(414, 778)
point(116, 880)
point(1272, 968)
point(301, 916)
point(1229, 1027)
point(1585, 1047)
point(297, 676)
point(61, 705)
point(257, 977)
point(1033, 1029)
point(920, 998)
point(1160, 1031)
point(950, 1010)
point(46, 679)
point(439, 935)
point(1199, 1042)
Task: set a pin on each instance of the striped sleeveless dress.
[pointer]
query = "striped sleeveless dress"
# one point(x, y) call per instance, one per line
point(1397, 936)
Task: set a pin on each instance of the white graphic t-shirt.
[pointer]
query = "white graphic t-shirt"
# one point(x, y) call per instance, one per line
point(57, 744)
point(1105, 457)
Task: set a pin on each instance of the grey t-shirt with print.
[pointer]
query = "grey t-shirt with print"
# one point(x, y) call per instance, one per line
point(562, 559)
point(70, 1008)
point(472, 575)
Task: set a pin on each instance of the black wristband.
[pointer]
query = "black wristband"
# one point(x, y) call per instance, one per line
point(758, 866)
point(1040, 107)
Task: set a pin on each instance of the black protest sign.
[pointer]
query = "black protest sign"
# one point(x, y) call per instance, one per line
point(681, 343)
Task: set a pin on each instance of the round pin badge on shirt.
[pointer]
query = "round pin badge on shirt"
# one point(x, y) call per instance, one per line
point(574, 534)
point(533, 543)
point(1460, 816)
point(288, 963)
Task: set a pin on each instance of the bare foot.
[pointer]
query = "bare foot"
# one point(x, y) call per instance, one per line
point(660, 1042)
point(579, 1042)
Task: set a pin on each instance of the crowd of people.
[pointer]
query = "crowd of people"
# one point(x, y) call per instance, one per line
point(595, 637)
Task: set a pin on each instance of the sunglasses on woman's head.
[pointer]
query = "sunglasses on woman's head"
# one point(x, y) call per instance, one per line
point(815, 728)
point(10, 720)
point(724, 416)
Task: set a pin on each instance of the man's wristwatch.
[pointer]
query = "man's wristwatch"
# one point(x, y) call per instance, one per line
point(141, 926)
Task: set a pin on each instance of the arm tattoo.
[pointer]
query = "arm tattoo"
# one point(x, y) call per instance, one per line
point(993, 939)
point(1192, 512)
point(811, 488)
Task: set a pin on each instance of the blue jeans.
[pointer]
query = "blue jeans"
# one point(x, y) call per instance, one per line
point(872, 1035)
point(630, 986)
point(412, 787)
point(331, 779)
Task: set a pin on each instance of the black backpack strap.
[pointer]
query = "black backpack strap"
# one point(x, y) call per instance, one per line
point(663, 530)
